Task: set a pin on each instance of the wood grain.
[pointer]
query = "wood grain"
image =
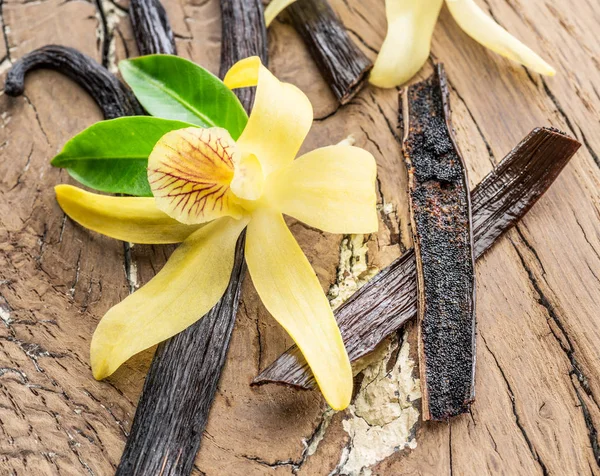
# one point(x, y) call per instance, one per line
point(538, 381)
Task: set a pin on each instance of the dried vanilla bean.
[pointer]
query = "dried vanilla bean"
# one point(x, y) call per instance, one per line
point(113, 97)
point(180, 387)
point(182, 381)
point(389, 300)
point(342, 63)
point(440, 208)
point(151, 28)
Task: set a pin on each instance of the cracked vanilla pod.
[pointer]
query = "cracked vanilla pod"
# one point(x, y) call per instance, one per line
point(194, 358)
point(385, 303)
point(112, 96)
point(341, 62)
point(151, 28)
point(440, 206)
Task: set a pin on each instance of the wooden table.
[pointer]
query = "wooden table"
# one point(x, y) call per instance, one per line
point(538, 346)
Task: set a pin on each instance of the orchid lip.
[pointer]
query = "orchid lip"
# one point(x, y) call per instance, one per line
point(197, 174)
point(190, 172)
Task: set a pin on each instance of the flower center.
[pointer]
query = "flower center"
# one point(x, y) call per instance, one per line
point(248, 178)
point(197, 175)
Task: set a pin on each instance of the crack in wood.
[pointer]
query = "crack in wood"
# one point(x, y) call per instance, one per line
point(5, 32)
point(328, 114)
point(24, 170)
point(37, 117)
point(585, 237)
point(127, 264)
point(485, 140)
point(569, 350)
point(528, 245)
point(589, 423)
point(588, 146)
point(362, 41)
point(513, 401)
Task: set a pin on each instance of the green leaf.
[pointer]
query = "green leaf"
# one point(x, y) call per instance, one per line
point(112, 156)
point(175, 88)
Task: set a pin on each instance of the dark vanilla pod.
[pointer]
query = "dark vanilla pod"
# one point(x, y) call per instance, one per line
point(151, 28)
point(180, 387)
point(440, 206)
point(389, 300)
point(113, 97)
point(342, 63)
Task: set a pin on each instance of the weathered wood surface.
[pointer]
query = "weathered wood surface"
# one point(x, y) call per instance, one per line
point(538, 300)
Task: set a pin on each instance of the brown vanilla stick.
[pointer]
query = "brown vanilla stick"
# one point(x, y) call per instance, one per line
point(151, 28)
point(182, 381)
point(113, 97)
point(344, 66)
point(440, 209)
point(179, 389)
point(389, 300)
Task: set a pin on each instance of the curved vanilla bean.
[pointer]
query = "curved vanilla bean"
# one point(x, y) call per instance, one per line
point(151, 28)
point(440, 206)
point(342, 63)
point(389, 300)
point(182, 381)
point(113, 97)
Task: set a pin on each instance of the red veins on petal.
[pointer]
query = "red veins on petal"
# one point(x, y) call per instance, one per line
point(190, 172)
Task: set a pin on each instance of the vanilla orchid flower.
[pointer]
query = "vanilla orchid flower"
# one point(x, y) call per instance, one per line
point(410, 28)
point(207, 189)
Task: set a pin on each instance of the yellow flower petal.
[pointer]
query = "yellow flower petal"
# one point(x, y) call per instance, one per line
point(189, 285)
point(291, 292)
point(275, 8)
point(408, 41)
point(190, 171)
point(244, 73)
point(332, 189)
point(483, 29)
point(124, 218)
point(281, 116)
